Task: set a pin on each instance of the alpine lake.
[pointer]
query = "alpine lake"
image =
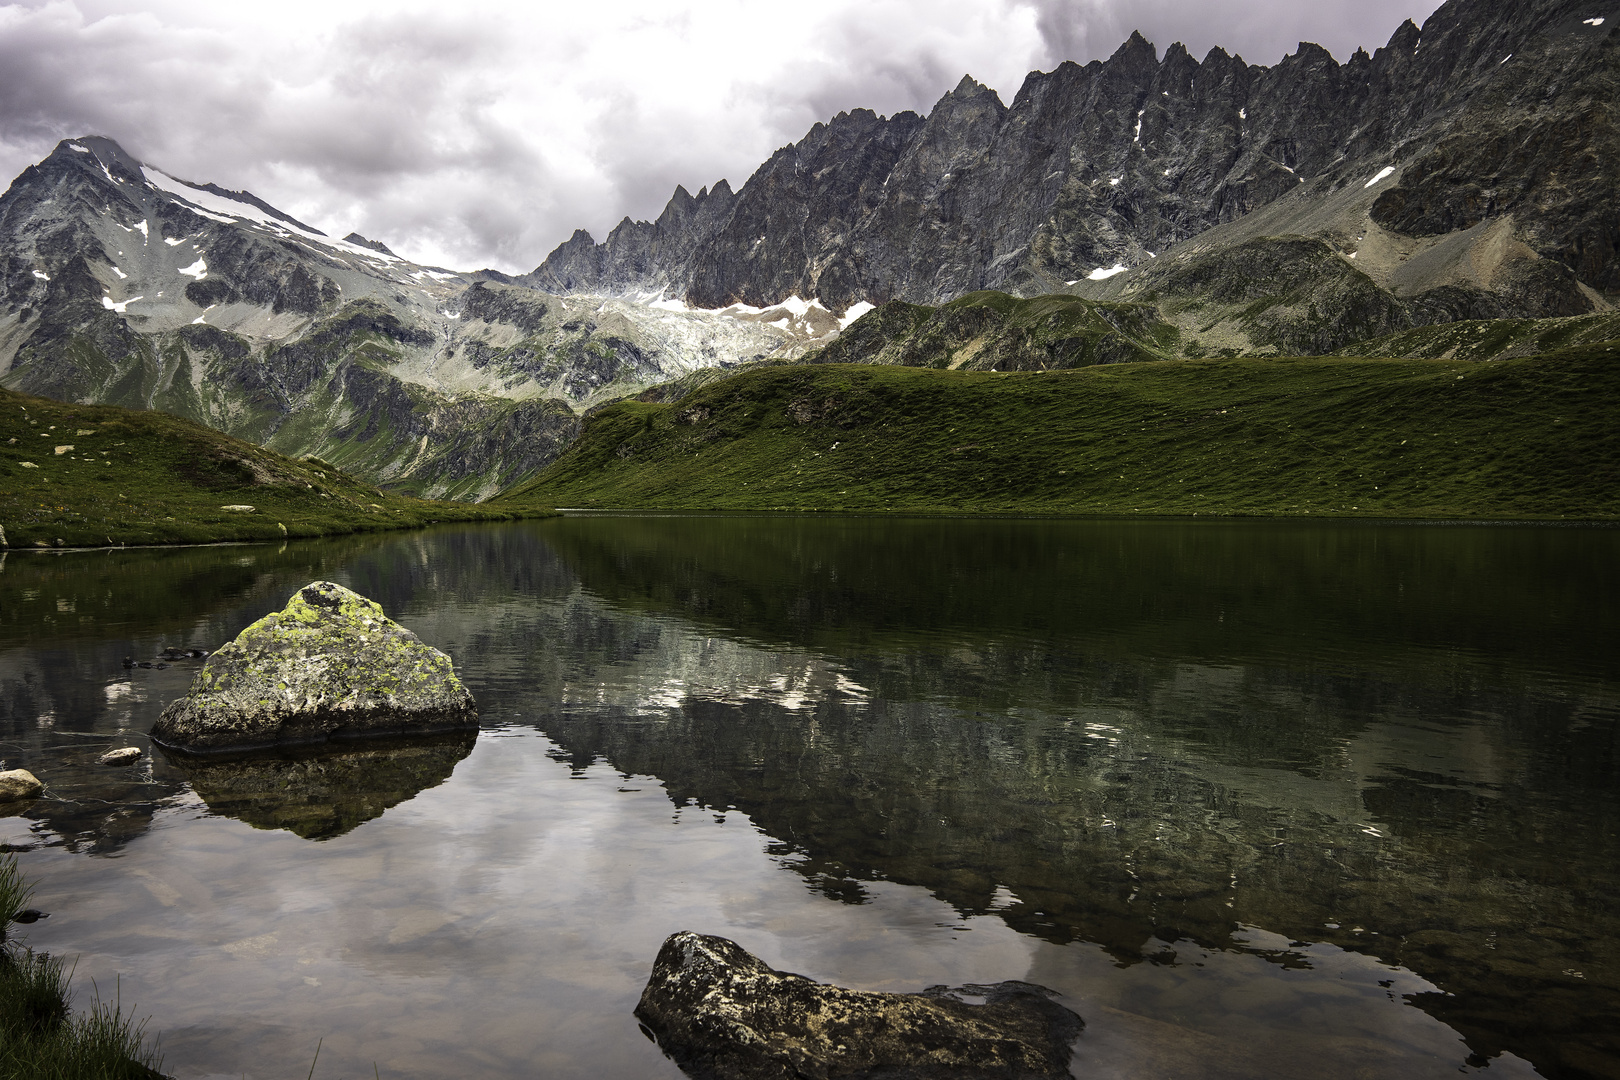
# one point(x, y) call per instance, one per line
point(1258, 798)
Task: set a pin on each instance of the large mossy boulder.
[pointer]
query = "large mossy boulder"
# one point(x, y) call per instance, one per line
point(721, 1013)
point(330, 665)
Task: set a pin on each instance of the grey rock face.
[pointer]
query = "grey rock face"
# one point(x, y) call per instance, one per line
point(374, 245)
point(19, 784)
point(637, 254)
point(719, 1012)
point(1117, 161)
point(330, 665)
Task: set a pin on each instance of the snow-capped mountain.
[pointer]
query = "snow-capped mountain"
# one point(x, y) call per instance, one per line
point(126, 285)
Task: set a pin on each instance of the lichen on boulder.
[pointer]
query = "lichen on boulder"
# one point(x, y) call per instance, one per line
point(721, 1013)
point(330, 665)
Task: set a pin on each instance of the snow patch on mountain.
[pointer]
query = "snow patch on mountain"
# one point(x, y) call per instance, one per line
point(1387, 170)
point(230, 211)
point(856, 310)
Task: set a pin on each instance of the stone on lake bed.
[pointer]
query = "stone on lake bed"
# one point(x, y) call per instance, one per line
point(126, 755)
point(721, 1013)
point(330, 665)
point(19, 784)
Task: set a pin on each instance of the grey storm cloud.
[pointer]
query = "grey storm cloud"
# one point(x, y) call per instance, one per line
point(1261, 31)
point(474, 142)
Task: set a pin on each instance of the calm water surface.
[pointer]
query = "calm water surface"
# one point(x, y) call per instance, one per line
point(1308, 800)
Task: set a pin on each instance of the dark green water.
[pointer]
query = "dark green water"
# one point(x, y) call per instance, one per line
point(1281, 799)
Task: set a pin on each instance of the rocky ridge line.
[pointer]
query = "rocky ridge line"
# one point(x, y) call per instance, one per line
point(1109, 164)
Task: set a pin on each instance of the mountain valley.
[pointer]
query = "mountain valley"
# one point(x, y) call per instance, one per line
point(1446, 197)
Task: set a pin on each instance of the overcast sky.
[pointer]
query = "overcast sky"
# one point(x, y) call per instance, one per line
point(483, 135)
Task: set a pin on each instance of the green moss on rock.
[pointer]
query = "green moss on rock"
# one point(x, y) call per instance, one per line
point(330, 665)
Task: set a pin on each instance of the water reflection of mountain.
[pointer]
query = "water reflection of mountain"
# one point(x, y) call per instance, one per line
point(1118, 732)
point(323, 792)
point(1344, 595)
point(1407, 782)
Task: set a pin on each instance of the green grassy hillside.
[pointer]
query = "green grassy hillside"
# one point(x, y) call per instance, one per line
point(88, 475)
point(1492, 339)
point(1524, 438)
point(992, 331)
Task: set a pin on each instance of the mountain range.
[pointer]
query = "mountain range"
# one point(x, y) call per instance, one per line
point(1464, 171)
point(123, 285)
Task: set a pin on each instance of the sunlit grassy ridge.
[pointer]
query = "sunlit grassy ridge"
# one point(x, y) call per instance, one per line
point(73, 475)
point(1533, 437)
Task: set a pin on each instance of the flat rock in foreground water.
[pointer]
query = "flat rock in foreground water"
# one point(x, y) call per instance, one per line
point(330, 665)
point(721, 1013)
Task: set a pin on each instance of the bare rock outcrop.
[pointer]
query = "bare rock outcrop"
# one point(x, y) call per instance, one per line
point(17, 784)
point(721, 1013)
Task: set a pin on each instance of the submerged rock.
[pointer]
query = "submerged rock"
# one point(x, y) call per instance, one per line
point(720, 1012)
point(19, 784)
point(127, 755)
point(330, 665)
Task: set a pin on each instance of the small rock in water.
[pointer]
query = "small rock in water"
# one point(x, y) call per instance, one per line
point(30, 915)
point(722, 1014)
point(19, 784)
point(126, 755)
point(330, 665)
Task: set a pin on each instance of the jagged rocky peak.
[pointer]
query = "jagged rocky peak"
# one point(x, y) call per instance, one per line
point(1106, 166)
point(103, 152)
point(166, 252)
point(374, 245)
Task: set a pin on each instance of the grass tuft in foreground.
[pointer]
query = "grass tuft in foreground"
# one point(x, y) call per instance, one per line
point(1533, 437)
point(40, 1039)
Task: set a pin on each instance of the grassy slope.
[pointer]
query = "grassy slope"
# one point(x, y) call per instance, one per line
point(151, 478)
point(992, 331)
point(1527, 438)
point(1492, 339)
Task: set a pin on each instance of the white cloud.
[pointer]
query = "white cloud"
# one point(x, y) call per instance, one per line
point(484, 136)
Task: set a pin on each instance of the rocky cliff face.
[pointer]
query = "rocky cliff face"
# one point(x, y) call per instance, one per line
point(1496, 111)
point(122, 285)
